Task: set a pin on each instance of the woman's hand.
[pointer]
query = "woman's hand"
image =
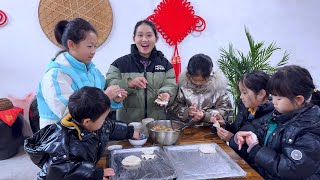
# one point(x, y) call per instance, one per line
point(107, 172)
point(121, 96)
point(112, 91)
point(163, 97)
point(138, 82)
point(224, 134)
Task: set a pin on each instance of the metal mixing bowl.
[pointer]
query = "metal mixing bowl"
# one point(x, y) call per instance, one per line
point(165, 137)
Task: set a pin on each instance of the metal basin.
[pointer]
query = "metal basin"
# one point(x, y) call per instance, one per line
point(165, 137)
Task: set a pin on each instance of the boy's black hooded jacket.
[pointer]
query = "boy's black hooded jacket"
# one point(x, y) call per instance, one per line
point(67, 151)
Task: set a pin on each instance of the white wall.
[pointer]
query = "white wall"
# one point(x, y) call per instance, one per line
point(293, 24)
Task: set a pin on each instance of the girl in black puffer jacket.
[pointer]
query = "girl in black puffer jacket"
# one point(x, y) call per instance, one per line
point(71, 148)
point(291, 145)
point(254, 103)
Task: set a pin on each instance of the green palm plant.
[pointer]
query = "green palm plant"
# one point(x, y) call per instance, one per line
point(234, 64)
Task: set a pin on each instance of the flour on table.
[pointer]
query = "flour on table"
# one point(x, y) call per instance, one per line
point(131, 161)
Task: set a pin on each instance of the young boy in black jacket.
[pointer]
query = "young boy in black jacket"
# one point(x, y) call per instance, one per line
point(71, 148)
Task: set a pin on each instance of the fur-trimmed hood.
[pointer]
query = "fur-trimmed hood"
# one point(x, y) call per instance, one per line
point(217, 83)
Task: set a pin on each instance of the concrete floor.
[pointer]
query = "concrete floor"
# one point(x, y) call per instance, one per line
point(19, 167)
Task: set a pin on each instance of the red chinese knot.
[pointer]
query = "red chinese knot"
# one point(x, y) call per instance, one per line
point(174, 20)
point(3, 18)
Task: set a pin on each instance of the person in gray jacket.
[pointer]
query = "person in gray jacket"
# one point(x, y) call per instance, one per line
point(202, 93)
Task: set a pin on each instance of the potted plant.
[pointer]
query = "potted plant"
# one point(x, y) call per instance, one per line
point(233, 63)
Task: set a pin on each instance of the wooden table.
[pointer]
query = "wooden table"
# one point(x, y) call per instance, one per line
point(196, 136)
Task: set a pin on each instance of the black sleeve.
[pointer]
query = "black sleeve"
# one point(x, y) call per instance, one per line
point(65, 168)
point(118, 130)
point(282, 164)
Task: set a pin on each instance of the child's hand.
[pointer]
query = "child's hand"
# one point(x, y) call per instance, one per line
point(192, 110)
point(224, 134)
point(112, 91)
point(136, 134)
point(107, 172)
point(121, 96)
point(218, 118)
point(241, 138)
point(251, 139)
point(198, 116)
point(247, 137)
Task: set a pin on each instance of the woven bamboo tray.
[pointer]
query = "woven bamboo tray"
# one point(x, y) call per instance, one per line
point(97, 12)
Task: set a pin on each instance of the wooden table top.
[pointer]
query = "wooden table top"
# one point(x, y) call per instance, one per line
point(196, 136)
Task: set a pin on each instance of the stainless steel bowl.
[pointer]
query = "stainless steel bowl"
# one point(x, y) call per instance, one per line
point(165, 137)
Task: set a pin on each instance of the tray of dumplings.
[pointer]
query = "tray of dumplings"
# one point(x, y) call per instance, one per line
point(202, 161)
point(141, 163)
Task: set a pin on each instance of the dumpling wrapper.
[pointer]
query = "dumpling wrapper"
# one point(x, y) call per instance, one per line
point(158, 101)
point(207, 149)
point(131, 161)
point(216, 124)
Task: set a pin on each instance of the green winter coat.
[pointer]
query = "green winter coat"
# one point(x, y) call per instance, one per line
point(140, 102)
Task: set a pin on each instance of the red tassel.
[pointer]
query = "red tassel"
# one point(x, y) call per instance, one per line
point(176, 62)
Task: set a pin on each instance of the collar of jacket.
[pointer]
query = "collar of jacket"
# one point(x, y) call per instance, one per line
point(216, 83)
point(135, 52)
point(264, 109)
point(67, 122)
point(76, 63)
point(291, 116)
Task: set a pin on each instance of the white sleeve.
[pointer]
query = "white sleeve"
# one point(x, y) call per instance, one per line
point(56, 89)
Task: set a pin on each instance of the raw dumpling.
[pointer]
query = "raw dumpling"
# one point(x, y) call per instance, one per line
point(131, 161)
point(216, 124)
point(147, 152)
point(207, 149)
point(148, 156)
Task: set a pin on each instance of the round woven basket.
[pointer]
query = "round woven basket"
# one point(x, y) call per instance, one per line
point(97, 12)
point(5, 104)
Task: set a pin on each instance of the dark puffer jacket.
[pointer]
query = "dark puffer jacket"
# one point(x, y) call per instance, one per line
point(293, 149)
point(242, 116)
point(71, 152)
point(258, 125)
point(140, 102)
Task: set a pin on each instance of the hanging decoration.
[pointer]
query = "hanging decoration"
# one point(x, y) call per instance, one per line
point(174, 20)
point(3, 18)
